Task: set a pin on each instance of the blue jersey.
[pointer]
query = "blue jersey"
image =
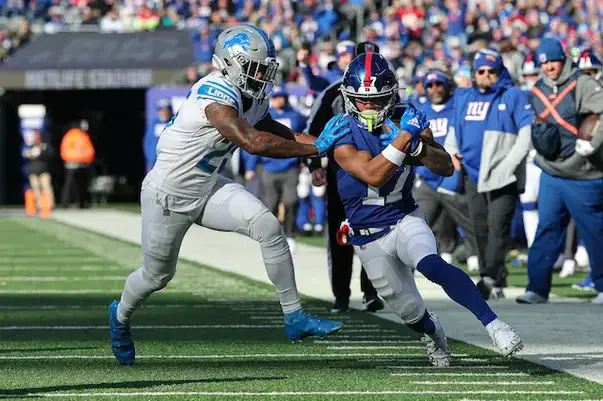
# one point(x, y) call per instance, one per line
point(441, 123)
point(367, 206)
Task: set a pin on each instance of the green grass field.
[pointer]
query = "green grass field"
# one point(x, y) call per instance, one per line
point(517, 275)
point(213, 336)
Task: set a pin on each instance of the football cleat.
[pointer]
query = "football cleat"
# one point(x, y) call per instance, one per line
point(568, 269)
point(299, 325)
point(504, 338)
point(121, 338)
point(586, 285)
point(436, 345)
point(530, 297)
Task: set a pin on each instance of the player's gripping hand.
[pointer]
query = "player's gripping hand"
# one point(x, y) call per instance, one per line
point(335, 129)
point(413, 122)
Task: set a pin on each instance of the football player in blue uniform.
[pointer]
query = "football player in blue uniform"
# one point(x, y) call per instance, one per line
point(386, 227)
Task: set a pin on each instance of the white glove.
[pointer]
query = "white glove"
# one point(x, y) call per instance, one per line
point(584, 148)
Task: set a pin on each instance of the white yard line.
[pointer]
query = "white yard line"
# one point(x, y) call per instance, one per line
point(62, 278)
point(151, 327)
point(80, 291)
point(461, 374)
point(335, 341)
point(455, 367)
point(276, 393)
point(218, 356)
point(482, 383)
point(334, 347)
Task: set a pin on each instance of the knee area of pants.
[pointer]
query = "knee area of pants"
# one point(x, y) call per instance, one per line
point(157, 280)
point(265, 227)
point(431, 266)
point(411, 310)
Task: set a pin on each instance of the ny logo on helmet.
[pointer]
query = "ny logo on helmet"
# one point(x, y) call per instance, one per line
point(238, 43)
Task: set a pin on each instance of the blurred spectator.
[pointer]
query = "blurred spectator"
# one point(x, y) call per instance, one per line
point(344, 51)
point(154, 130)
point(491, 141)
point(571, 184)
point(39, 155)
point(77, 153)
point(111, 23)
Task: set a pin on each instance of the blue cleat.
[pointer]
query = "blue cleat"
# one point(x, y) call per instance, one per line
point(121, 338)
point(299, 325)
point(586, 285)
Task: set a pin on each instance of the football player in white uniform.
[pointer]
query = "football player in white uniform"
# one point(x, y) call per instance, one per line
point(224, 110)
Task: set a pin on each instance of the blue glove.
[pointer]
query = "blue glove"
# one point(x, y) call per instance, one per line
point(388, 138)
point(336, 128)
point(413, 122)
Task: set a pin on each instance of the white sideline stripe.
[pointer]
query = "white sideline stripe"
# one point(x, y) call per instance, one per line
point(152, 327)
point(503, 374)
point(87, 291)
point(369, 330)
point(374, 336)
point(274, 393)
point(453, 367)
point(78, 268)
point(509, 399)
point(571, 358)
point(221, 356)
point(480, 383)
point(334, 341)
point(334, 347)
point(26, 307)
point(62, 278)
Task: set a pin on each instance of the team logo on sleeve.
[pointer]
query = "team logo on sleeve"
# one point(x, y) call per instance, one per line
point(477, 111)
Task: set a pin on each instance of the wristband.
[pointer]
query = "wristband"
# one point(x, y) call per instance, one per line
point(394, 155)
point(418, 150)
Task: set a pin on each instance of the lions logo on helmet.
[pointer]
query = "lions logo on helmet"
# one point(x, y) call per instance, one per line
point(370, 78)
point(246, 56)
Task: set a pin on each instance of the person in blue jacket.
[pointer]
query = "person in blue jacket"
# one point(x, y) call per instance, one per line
point(154, 129)
point(440, 197)
point(279, 177)
point(344, 51)
point(492, 125)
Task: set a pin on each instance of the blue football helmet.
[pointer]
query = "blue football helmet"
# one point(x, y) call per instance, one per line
point(369, 77)
point(588, 61)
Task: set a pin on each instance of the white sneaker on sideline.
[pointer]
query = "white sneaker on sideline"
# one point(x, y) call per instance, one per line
point(598, 300)
point(447, 257)
point(473, 263)
point(504, 337)
point(581, 257)
point(568, 269)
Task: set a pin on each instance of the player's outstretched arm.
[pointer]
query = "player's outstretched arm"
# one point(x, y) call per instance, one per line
point(240, 132)
point(375, 171)
point(434, 156)
point(268, 124)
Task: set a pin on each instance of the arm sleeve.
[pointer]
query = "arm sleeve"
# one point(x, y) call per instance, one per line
point(589, 99)
point(315, 83)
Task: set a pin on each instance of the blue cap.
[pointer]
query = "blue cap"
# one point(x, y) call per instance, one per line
point(435, 76)
point(279, 91)
point(345, 47)
point(487, 58)
point(163, 104)
point(550, 49)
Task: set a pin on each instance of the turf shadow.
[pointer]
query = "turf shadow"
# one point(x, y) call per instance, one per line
point(141, 384)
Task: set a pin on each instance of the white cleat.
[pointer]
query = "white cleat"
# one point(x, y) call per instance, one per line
point(568, 269)
point(473, 263)
point(582, 258)
point(436, 345)
point(504, 337)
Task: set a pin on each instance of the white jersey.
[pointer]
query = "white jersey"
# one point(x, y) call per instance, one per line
point(191, 153)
